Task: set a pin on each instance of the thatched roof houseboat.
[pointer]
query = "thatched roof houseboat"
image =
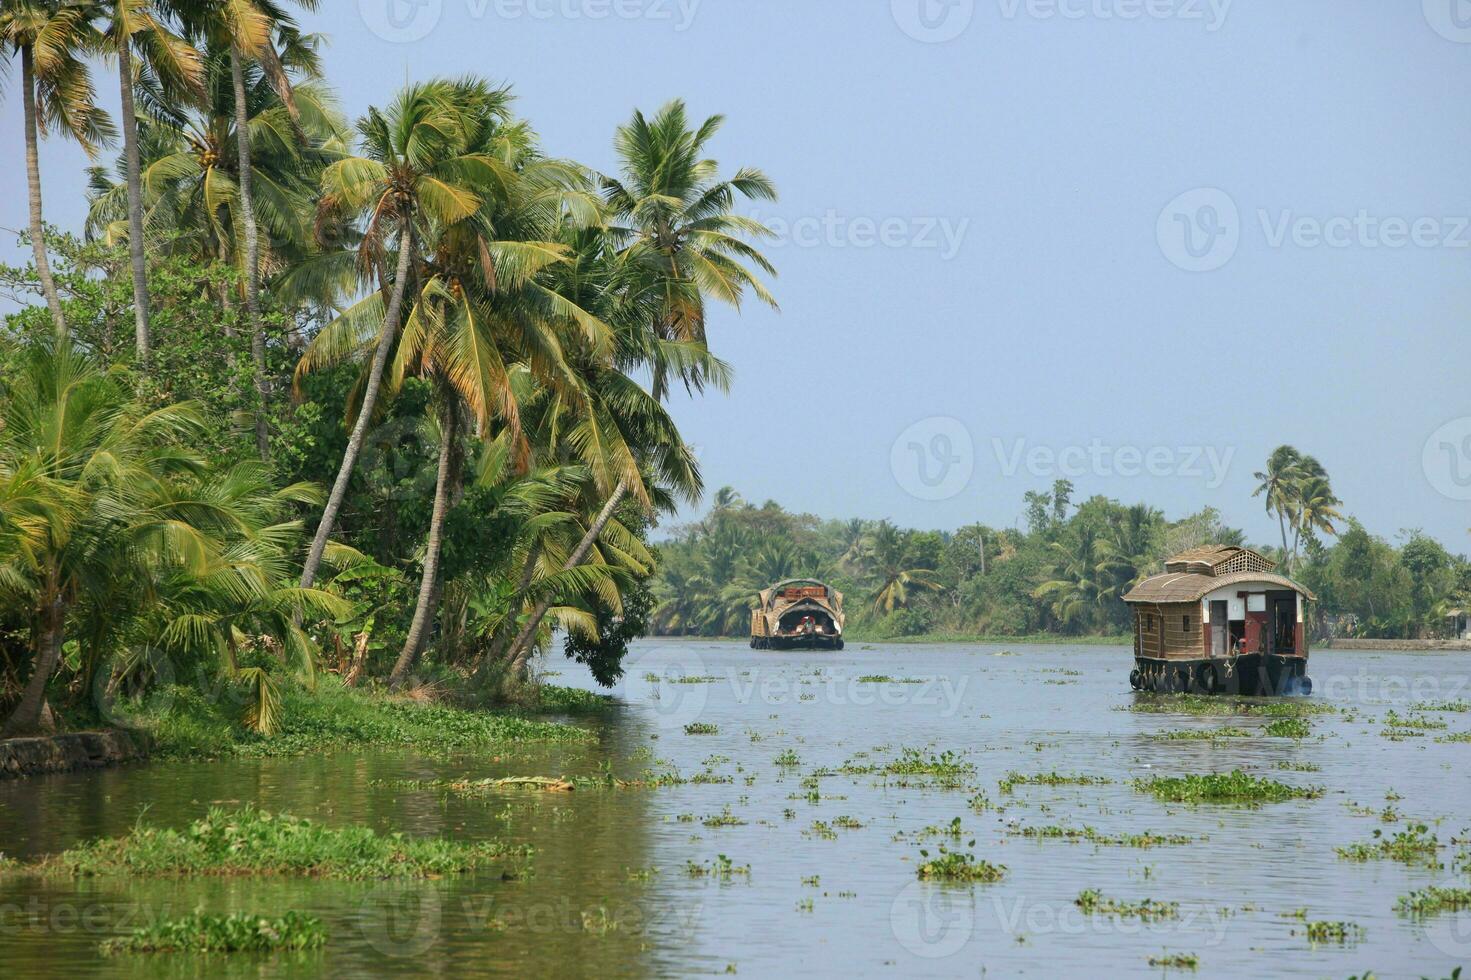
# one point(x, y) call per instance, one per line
point(798, 614)
point(1220, 620)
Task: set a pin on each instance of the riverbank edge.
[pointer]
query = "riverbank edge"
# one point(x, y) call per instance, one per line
point(40, 755)
point(1033, 639)
point(1406, 646)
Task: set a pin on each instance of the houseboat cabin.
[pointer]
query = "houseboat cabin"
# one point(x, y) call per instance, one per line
point(1220, 621)
point(799, 614)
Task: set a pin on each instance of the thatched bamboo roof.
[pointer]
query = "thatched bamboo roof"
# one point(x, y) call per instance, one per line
point(1193, 586)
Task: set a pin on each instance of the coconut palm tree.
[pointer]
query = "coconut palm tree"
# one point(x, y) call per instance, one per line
point(1075, 588)
point(138, 35)
point(673, 217)
point(94, 491)
point(1315, 506)
point(56, 92)
point(417, 175)
point(887, 559)
point(1276, 486)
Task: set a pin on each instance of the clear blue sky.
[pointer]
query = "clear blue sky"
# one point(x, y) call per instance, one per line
point(1047, 140)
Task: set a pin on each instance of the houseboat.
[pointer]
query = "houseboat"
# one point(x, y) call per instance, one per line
point(798, 614)
point(1219, 621)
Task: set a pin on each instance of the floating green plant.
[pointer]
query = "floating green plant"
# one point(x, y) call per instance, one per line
point(1013, 779)
point(722, 868)
point(249, 841)
point(701, 728)
point(1175, 961)
point(1202, 734)
point(199, 932)
point(1460, 706)
point(1146, 839)
point(1434, 900)
point(1414, 845)
point(1333, 932)
point(787, 757)
point(1233, 787)
point(1393, 720)
point(1094, 902)
point(959, 866)
point(1289, 728)
point(723, 819)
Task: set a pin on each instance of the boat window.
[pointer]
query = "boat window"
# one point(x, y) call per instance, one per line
point(1186, 624)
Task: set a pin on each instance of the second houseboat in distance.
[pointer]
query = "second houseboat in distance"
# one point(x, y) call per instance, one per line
point(1219, 620)
point(798, 614)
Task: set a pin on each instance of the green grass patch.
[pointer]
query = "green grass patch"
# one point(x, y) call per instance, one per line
point(1094, 902)
point(1216, 705)
point(185, 724)
point(249, 841)
point(1233, 787)
point(234, 933)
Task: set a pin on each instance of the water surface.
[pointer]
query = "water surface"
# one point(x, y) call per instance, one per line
point(611, 895)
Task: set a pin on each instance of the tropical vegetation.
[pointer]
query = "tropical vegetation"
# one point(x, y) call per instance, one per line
point(312, 404)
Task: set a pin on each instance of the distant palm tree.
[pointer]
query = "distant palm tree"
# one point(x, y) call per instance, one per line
point(1277, 486)
point(1315, 505)
point(888, 561)
point(1075, 589)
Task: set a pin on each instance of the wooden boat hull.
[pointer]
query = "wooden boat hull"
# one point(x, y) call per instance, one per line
point(814, 642)
point(1252, 674)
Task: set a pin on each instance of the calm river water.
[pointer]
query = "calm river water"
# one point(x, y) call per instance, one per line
point(832, 885)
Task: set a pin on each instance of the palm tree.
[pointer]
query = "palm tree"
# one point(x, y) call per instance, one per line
point(246, 28)
point(417, 173)
point(1276, 487)
point(679, 231)
point(1315, 506)
point(1074, 589)
point(139, 37)
point(1130, 549)
point(51, 38)
point(888, 560)
point(91, 485)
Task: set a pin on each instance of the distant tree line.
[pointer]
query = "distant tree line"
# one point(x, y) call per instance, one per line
point(1065, 573)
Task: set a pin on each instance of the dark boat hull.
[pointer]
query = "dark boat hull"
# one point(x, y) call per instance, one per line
point(1252, 674)
point(812, 642)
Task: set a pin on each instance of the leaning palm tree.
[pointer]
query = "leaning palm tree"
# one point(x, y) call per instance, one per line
point(1315, 506)
point(1276, 486)
point(138, 34)
point(56, 92)
point(673, 216)
point(418, 172)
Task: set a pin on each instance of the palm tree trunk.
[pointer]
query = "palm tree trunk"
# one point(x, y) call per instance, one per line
point(423, 609)
point(501, 643)
point(365, 414)
point(33, 187)
point(135, 204)
point(521, 649)
point(26, 718)
point(252, 256)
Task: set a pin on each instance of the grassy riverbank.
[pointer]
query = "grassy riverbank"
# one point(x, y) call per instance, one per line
point(185, 723)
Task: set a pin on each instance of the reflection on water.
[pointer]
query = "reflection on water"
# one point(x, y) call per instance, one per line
point(824, 895)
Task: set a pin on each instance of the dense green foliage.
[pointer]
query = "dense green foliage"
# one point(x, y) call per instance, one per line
point(383, 400)
point(1065, 574)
